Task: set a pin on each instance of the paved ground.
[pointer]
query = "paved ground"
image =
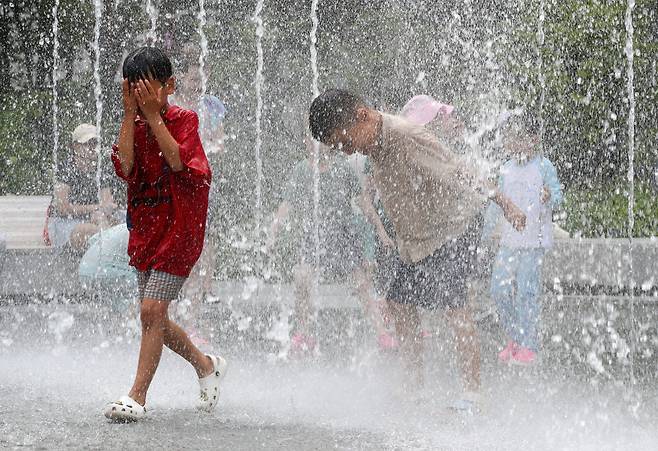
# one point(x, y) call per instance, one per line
point(60, 364)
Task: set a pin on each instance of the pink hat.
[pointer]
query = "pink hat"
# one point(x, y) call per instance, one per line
point(423, 109)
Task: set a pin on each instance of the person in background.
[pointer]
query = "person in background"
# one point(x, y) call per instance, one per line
point(211, 112)
point(341, 241)
point(530, 181)
point(78, 210)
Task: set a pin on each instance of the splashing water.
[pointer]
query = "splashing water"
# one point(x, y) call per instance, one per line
point(151, 36)
point(55, 96)
point(630, 87)
point(59, 323)
point(540, 69)
point(316, 146)
point(203, 43)
point(98, 91)
point(98, 95)
point(258, 83)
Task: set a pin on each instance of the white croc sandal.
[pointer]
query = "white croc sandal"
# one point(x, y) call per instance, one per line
point(209, 385)
point(125, 410)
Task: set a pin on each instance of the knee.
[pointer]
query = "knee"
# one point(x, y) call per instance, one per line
point(461, 320)
point(153, 314)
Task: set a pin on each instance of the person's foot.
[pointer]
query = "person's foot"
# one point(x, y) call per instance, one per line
point(506, 354)
point(468, 403)
point(301, 344)
point(125, 410)
point(524, 357)
point(387, 342)
point(209, 385)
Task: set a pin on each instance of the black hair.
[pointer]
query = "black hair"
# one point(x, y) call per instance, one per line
point(332, 110)
point(147, 62)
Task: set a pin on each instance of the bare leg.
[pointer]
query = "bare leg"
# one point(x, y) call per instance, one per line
point(157, 330)
point(364, 289)
point(407, 326)
point(153, 315)
point(303, 305)
point(177, 340)
point(467, 346)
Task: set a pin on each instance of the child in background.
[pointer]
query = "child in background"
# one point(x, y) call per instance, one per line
point(531, 182)
point(211, 112)
point(341, 256)
point(161, 158)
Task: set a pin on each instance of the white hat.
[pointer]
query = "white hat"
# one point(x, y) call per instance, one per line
point(84, 132)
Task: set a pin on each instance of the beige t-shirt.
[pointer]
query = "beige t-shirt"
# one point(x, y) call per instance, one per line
point(430, 193)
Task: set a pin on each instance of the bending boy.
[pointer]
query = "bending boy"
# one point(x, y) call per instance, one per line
point(435, 200)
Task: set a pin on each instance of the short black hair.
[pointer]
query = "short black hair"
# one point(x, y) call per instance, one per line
point(147, 62)
point(332, 110)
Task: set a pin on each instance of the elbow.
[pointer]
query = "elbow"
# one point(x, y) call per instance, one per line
point(126, 168)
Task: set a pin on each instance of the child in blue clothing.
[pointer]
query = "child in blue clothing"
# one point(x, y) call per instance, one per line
point(530, 181)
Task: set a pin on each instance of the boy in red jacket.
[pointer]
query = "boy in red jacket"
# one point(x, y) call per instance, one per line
point(160, 157)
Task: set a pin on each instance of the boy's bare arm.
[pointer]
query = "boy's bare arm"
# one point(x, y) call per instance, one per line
point(365, 202)
point(448, 163)
point(127, 133)
point(151, 101)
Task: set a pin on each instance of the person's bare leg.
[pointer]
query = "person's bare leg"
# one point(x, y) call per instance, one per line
point(364, 290)
point(467, 346)
point(153, 315)
point(303, 305)
point(177, 340)
point(407, 326)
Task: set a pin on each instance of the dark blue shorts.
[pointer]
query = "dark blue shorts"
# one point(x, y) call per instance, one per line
point(440, 280)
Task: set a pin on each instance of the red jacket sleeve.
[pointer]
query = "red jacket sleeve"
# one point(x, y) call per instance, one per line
point(190, 148)
point(117, 166)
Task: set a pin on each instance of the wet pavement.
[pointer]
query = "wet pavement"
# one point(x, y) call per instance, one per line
point(58, 367)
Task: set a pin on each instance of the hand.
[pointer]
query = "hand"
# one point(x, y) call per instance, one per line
point(516, 217)
point(129, 100)
point(545, 195)
point(149, 99)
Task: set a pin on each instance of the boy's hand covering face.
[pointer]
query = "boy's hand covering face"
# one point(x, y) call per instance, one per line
point(129, 100)
point(150, 98)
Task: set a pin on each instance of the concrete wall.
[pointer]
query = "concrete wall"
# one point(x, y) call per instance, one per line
point(585, 262)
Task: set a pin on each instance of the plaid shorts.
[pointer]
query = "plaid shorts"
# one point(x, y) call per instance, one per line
point(159, 285)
